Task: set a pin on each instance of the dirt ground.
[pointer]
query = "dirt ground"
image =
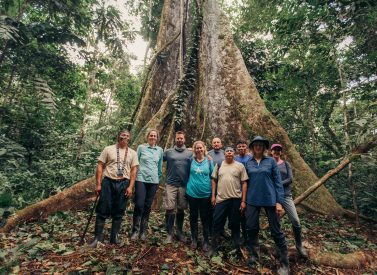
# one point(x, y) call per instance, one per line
point(51, 246)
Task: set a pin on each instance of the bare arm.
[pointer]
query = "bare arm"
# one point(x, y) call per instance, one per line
point(130, 188)
point(99, 173)
point(213, 198)
point(243, 199)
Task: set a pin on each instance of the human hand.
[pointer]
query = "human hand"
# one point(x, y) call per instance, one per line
point(243, 207)
point(129, 192)
point(279, 210)
point(213, 201)
point(98, 189)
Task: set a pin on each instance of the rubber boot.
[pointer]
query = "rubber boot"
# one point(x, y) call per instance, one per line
point(214, 247)
point(194, 238)
point(115, 228)
point(143, 228)
point(252, 244)
point(283, 255)
point(135, 228)
point(236, 240)
point(98, 229)
point(206, 231)
point(301, 250)
point(180, 217)
point(169, 223)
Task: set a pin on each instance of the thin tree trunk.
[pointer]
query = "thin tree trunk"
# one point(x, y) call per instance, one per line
point(354, 202)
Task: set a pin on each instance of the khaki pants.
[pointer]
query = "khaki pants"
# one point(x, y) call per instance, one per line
point(174, 197)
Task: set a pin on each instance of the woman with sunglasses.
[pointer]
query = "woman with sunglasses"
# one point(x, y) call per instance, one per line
point(288, 204)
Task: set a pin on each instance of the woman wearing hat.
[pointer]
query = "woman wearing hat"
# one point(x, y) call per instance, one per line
point(264, 190)
point(288, 204)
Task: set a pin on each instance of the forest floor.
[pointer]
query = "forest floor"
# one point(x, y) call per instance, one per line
point(51, 246)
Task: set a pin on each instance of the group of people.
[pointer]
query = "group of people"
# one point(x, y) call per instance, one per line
point(216, 186)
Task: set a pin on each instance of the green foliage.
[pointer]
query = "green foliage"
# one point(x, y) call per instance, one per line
point(311, 65)
point(55, 115)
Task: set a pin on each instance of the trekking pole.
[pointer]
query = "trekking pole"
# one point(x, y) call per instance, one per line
point(89, 219)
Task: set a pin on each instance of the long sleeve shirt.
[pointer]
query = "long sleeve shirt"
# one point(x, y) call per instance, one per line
point(264, 186)
point(150, 163)
point(286, 177)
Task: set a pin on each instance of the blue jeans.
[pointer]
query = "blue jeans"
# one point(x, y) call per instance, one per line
point(290, 209)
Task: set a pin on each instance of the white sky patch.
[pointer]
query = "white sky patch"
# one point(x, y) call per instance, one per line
point(136, 48)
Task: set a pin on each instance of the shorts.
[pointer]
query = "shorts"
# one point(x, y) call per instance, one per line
point(174, 197)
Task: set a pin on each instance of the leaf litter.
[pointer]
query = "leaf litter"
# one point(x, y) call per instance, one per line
point(51, 246)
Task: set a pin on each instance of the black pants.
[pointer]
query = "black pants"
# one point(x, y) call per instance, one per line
point(144, 195)
point(230, 209)
point(200, 206)
point(252, 222)
point(112, 201)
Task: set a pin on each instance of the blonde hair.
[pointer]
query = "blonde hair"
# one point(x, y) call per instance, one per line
point(194, 146)
point(153, 130)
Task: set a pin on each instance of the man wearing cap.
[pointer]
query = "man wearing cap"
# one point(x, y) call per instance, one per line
point(230, 199)
point(118, 164)
point(243, 157)
point(288, 204)
point(178, 170)
point(264, 190)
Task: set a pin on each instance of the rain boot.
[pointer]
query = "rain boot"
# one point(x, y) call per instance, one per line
point(143, 228)
point(252, 243)
point(283, 255)
point(301, 250)
point(180, 217)
point(98, 229)
point(115, 228)
point(214, 247)
point(169, 222)
point(135, 227)
point(194, 238)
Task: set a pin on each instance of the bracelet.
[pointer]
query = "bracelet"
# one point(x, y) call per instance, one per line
point(243, 201)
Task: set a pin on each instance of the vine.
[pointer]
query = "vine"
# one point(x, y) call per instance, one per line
point(188, 82)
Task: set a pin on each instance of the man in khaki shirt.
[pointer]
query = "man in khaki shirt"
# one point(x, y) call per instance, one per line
point(115, 177)
point(230, 199)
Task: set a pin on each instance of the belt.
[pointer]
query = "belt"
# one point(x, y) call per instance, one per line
point(116, 180)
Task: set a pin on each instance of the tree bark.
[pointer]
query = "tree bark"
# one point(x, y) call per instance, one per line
point(76, 197)
point(224, 102)
point(220, 100)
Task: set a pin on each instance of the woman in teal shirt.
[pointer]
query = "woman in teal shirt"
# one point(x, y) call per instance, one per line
point(148, 177)
point(198, 193)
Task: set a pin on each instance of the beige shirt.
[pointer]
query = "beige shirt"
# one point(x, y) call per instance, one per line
point(109, 158)
point(229, 182)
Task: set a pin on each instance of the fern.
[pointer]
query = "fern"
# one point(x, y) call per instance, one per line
point(44, 90)
point(7, 31)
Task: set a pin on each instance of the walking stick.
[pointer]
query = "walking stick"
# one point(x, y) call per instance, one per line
point(89, 219)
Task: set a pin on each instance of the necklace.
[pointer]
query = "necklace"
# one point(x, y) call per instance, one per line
point(120, 170)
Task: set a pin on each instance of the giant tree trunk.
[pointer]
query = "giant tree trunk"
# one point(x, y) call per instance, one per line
point(223, 101)
point(215, 97)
